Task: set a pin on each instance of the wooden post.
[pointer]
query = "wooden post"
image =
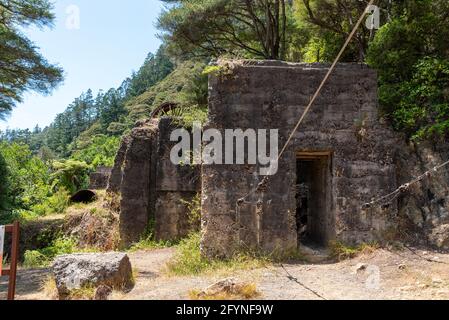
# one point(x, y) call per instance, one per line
point(14, 229)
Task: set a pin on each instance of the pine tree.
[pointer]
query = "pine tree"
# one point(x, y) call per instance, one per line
point(22, 67)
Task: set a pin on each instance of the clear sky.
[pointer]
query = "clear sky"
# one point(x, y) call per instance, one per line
point(112, 39)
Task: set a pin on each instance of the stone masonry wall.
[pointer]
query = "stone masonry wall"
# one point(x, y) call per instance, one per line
point(343, 121)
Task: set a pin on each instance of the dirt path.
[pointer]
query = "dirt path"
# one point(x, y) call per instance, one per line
point(382, 275)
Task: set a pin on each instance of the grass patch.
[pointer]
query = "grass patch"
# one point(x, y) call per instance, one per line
point(340, 251)
point(43, 258)
point(246, 291)
point(49, 289)
point(148, 242)
point(189, 261)
point(84, 293)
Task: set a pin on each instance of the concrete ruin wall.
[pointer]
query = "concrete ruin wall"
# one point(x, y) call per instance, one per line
point(365, 159)
point(176, 186)
point(344, 121)
point(424, 208)
point(99, 179)
point(152, 191)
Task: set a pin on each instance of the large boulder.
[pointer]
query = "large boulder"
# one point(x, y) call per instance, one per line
point(77, 271)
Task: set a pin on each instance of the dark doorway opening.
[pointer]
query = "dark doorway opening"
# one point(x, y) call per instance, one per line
point(314, 218)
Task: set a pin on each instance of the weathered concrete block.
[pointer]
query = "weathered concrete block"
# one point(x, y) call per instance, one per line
point(99, 180)
point(115, 179)
point(152, 188)
point(343, 124)
point(135, 188)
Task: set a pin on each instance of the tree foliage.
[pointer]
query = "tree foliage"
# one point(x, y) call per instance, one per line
point(24, 179)
point(217, 27)
point(186, 86)
point(155, 68)
point(412, 59)
point(89, 115)
point(98, 151)
point(71, 174)
point(22, 67)
point(326, 24)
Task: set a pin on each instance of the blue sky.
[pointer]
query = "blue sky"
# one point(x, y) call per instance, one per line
point(113, 39)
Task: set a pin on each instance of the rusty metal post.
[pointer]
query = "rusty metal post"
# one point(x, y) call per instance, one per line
point(14, 261)
point(14, 229)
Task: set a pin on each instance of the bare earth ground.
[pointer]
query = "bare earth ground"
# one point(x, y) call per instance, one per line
point(387, 275)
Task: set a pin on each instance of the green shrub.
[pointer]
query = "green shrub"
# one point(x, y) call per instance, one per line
point(412, 62)
point(62, 245)
point(186, 116)
point(44, 257)
point(188, 259)
point(35, 259)
point(59, 201)
point(147, 241)
point(71, 175)
point(194, 208)
point(97, 151)
point(340, 251)
point(24, 181)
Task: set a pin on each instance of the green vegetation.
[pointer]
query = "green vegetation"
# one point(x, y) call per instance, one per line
point(188, 260)
point(71, 174)
point(25, 181)
point(148, 243)
point(413, 61)
point(60, 245)
point(194, 208)
point(216, 27)
point(245, 291)
point(98, 151)
point(186, 86)
point(340, 251)
point(57, 203)
point(44, 257)
point(22, 67)
point(42, 167)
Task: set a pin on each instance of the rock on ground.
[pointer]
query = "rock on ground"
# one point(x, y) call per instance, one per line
point(77, 271)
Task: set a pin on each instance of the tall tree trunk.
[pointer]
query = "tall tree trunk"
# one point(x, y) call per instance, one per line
point(283, 31)
point(269, 35)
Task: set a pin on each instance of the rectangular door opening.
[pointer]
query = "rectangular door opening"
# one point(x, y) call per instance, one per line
point(314, 219)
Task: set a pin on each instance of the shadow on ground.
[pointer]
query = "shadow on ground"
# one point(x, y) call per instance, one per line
point(28, 282)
